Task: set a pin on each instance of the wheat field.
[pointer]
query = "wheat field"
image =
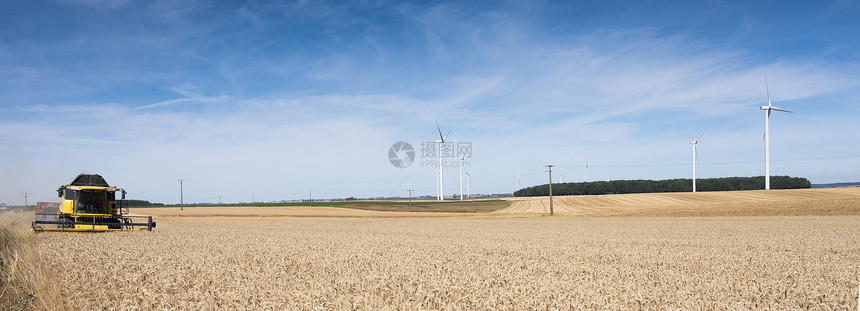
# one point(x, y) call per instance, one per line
point(464, 263)
point(520, 261)
point(794, 202)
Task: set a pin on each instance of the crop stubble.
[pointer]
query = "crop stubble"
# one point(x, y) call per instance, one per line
point(461, 263)
point(794, 202)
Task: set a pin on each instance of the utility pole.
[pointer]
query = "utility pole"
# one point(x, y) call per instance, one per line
point(410, 199)
point(181, 199)
point(550, 187)
point(25, 200)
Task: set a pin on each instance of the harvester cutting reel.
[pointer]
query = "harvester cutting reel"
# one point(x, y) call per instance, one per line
point(85, 223)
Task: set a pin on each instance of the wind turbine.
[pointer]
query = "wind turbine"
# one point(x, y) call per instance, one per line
point(468, 185)
point(437, 182)
point(441, 141)
point(695, 143)
point(767, 110)
point(461, 177)
point(518, 181)
point(586, 171)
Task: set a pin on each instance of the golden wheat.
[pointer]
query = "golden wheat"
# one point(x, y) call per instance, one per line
point(462, 263)
point(23, 284)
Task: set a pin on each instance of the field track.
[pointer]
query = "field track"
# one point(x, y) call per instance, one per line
point(796, 202)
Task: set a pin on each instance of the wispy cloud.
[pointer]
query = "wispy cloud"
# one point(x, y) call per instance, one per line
point(289, 92)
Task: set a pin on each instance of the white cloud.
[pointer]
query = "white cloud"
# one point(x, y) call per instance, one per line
point(625, 100)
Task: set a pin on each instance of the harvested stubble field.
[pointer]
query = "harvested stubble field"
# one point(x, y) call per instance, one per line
point(795, 202)
point(455, 262)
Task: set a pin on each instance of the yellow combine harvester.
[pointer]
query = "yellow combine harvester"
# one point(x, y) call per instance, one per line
point(89, 204)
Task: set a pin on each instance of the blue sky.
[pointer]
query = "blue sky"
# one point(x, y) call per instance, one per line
point(279, 99)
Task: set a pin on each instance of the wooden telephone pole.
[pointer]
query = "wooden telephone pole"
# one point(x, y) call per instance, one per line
point(550, 187)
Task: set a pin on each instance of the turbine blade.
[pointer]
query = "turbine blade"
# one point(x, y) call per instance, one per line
point(440, 131)
point(779, 109)
point(767, 88)
point(446, 135)
point(700, 135)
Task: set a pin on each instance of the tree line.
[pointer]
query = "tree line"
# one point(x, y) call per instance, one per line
point(668, 185)
point(138, 203)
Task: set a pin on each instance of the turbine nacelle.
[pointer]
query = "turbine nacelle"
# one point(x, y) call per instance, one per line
point(774, 108)
point(696, 140)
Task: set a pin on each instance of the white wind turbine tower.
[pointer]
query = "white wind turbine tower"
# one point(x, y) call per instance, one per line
point(767, 110)
point(441, 141)
point(518, 181)
point(461, 177)
point(586, 171)
point(695, 143)
point(468, 185)
point(437, 182)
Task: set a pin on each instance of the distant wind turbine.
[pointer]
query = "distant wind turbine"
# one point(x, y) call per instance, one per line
point(695, 143)
point(767, 110)
point(518, 181)
point(468, 185)
point(461, 177)
point(586, 171)
point(441, 141)
point(437, 182)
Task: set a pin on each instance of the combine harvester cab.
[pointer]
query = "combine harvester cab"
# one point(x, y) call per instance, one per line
point(89, 204)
